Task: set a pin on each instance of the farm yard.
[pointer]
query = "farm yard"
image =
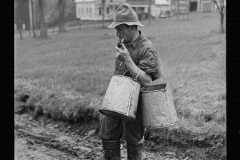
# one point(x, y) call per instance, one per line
point(60, 83)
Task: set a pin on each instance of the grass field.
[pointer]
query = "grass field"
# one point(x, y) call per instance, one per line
point(68, 73)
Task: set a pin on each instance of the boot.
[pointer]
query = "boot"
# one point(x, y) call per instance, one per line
point(111, 150)
point(134, 151)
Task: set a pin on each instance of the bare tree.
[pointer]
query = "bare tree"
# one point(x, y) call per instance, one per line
point(43, 27)
point(61, 10)
point(221, 6)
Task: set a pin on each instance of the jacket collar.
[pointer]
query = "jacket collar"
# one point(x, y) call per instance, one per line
point(135, 43)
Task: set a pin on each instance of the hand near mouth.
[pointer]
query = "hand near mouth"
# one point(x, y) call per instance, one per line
point(122, 53)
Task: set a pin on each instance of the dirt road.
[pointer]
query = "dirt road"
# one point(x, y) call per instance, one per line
point(48, 141)
point(44, 139)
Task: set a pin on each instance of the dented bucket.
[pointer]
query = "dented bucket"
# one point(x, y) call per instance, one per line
point(158, 109)
point(121, 98)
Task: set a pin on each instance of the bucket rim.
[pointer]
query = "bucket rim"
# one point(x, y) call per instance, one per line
point(125, 77)
point(129, 117)
point(163, 87)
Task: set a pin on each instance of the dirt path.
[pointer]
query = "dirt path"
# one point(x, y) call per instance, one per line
point(44, 140)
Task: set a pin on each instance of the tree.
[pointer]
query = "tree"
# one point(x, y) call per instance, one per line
point(43, 27)
point(18, 20)
point(61, 10)
point(222, 10)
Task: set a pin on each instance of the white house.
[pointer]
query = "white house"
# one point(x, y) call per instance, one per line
point(92, 9)
point(163, 5)
point(157, 6)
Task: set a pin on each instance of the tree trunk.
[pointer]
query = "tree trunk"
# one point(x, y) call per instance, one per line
point(43, 27)
point(33, 17)
point(18, 7)
point(222, 25)
point(61, 11)
point(19, 28)
point(221, 10)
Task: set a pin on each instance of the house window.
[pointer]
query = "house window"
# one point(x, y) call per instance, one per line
point(107, 10)
point(134, 8)
point(90, 10)
point(86, 10)
point(79, 10)
point(99, 10)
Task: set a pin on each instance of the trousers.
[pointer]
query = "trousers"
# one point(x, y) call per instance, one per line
point(113, 129)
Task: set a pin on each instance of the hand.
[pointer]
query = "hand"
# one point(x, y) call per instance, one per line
point(122, 54)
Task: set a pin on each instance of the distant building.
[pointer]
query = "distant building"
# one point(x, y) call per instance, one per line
point(206, 6)
point(196, 6)
point(163, 5)
point(92, 9)
point(157, 6)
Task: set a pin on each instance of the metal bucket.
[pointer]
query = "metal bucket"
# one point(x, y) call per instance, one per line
point(121, 98)
point(158, 109)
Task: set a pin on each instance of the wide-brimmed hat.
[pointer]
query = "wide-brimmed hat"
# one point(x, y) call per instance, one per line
point(125, 15)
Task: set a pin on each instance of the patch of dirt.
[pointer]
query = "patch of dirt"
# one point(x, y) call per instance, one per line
point(45, 139)
point(53, 141)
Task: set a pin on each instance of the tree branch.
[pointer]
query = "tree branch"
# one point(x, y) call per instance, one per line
point(217, 6)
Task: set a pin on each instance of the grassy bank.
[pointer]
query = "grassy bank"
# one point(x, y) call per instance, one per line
point(67, 74)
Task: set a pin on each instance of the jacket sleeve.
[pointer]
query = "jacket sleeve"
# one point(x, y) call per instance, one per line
point(148, 61)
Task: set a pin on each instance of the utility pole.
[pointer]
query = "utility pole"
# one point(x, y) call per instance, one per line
point(188, 8)
point(103, 13)
point(170, 9)
point(34, 17)
point(177, 9)
point(30, 16)
point(149, 11)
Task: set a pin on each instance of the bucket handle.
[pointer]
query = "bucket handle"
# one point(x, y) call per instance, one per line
point(125, 72)
point(135, 79)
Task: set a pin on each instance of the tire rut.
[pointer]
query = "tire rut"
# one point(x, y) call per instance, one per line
point(46, 141)
point(73, 146)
